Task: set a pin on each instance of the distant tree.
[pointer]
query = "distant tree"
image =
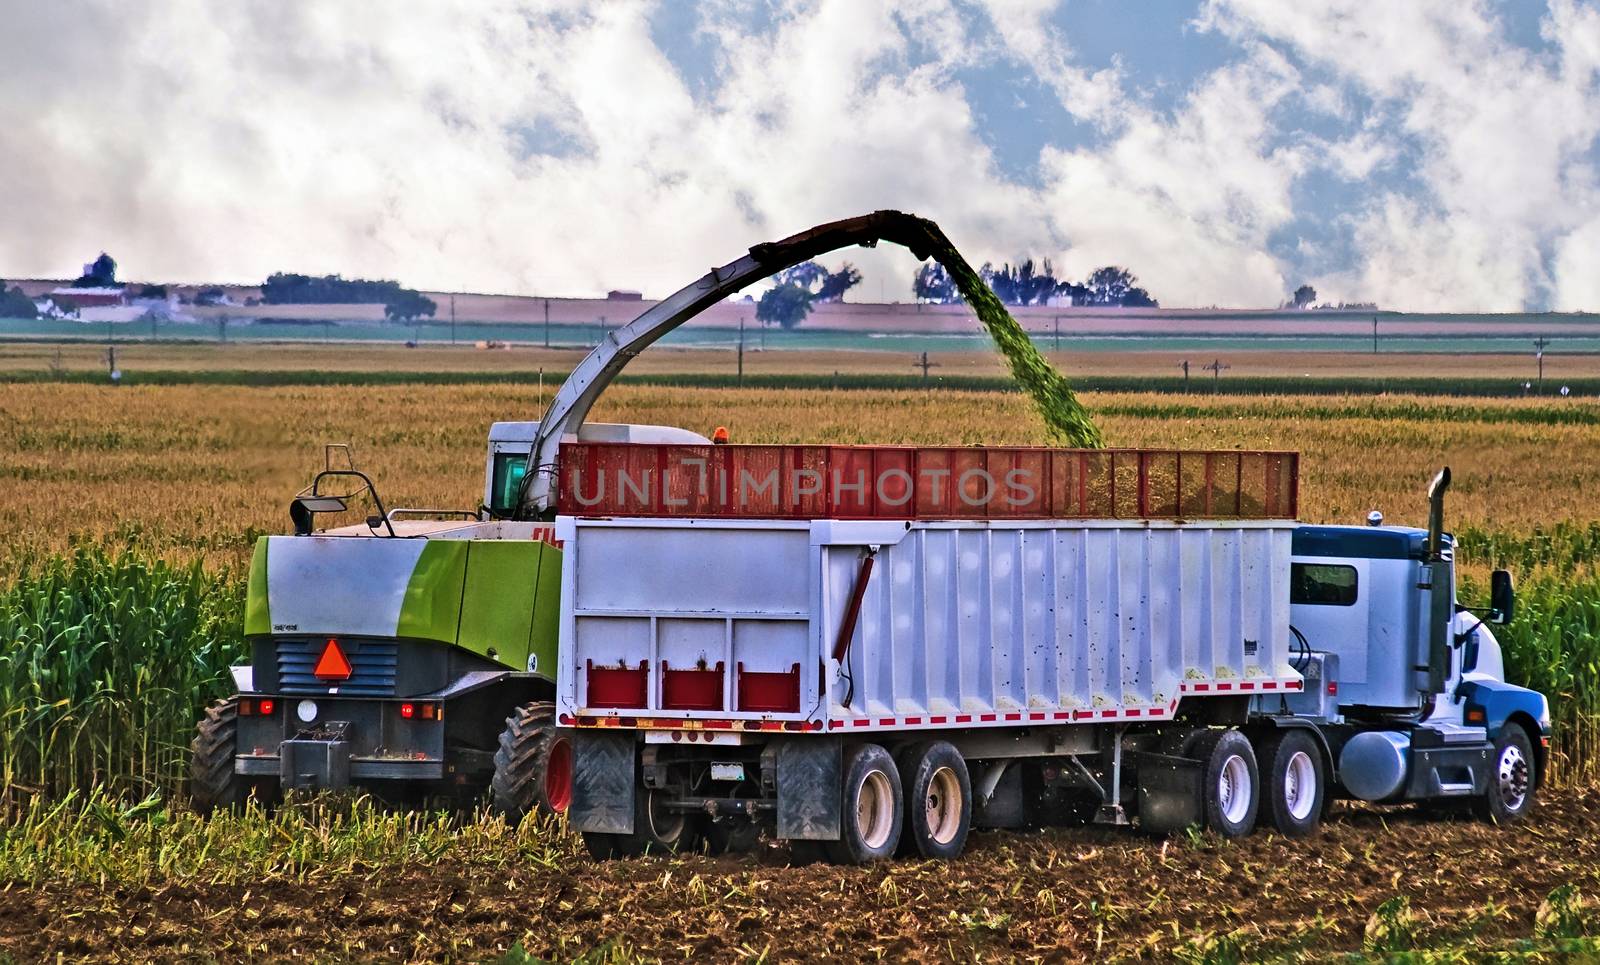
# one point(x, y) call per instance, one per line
point(786, 304)
point(102, 273)
point(836, 283)
point(807, 275)
point(283, 288)
point(1074, 293)
point(932, 284)
point(1117, 286)
point(1029, 283)
point(409, 305)
point(1304, 297)
point(14, 304)
point(152, 291)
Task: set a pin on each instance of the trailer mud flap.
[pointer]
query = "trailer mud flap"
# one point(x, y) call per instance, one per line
point(603, 782)
point(1169, 792)
point(809, 781)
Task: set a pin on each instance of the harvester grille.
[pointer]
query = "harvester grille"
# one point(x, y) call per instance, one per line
point(372, 667)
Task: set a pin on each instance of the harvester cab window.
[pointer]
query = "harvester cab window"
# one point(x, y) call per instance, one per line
point(509, 468)
point(1322, 584)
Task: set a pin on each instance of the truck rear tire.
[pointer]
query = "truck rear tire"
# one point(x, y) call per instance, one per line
point(533, 767)
point(1229, 791)
point(872, 808)
point(1509, 797)
point(1293, 782)
point(938, 800)
point(213, 784)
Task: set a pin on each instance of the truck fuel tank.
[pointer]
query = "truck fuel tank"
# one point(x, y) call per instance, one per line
point(1373, 764)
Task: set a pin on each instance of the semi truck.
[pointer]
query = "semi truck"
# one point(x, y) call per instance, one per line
point(862, 666)
point(864, 650)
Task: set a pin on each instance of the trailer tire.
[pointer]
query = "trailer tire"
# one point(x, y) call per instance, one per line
point(213, 784)
point(938, 800)
point(872, 808)
point(1229, 791)
point(1294, 782)
point(1510, 795)
point(533, 767)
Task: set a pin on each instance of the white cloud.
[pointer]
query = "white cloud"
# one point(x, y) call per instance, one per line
point(552, 146)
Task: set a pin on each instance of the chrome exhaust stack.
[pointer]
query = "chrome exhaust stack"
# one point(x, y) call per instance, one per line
point(1436, 489)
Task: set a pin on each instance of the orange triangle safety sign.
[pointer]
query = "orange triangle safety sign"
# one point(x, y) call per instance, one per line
point(332, 665)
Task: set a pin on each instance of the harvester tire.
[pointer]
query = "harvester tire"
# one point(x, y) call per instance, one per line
point(213, 784)
point(533, 767)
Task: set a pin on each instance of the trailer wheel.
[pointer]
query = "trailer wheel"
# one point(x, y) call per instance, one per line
point(1293, 782)
point(533, 767)
point(213, 784)
point(1509, 797)
point(872, 809)
point(1229, 791)
point(656, 830)
point(938, 800)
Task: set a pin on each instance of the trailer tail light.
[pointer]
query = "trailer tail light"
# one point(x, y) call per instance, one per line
point(421, 711)
point(266, 707)
point(1333, 688)
point(408, 711)
point(253, 708)
point(246, 708)
point(333, 664)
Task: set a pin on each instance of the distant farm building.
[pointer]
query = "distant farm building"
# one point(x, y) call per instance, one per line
point(623, 295)
point(69, 299)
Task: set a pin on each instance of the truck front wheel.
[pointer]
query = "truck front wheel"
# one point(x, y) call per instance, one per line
point(1291, 764)
point(1509, 797)
point(533, 767)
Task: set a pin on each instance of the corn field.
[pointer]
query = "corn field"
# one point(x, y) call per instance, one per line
point(105, 660)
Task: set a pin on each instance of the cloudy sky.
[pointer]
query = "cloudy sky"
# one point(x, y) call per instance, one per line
point(1423, 154)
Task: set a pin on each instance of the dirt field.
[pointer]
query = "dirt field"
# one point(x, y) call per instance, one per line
point(1064, 895)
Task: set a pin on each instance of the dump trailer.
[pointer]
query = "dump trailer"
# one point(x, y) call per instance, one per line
point(866, 650)
point(413, 655)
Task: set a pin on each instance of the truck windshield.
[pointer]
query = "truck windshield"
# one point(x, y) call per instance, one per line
point(509, 468)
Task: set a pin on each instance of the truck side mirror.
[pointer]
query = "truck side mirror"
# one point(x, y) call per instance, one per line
point(1502, 598)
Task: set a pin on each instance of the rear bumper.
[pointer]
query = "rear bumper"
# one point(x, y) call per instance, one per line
point(361, 768)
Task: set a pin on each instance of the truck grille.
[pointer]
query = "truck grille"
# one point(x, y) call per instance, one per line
point(372, 667)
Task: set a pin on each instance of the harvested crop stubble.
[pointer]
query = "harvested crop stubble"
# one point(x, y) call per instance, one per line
point(104, 880)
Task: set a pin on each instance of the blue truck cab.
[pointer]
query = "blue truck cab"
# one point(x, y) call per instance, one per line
point(1405, 685)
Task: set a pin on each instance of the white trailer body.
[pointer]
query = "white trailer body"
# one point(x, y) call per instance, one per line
point(961, 623)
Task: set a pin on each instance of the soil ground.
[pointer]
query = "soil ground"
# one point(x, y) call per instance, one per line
point(1061, 895)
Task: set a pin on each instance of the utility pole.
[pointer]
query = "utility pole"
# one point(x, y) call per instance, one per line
point(741, 351)
point(1374, 335)
point(222, 329)
point(1185, 365)
point(547, 323)
point(111, 365)
point(1058, 333)
point(1538, 354)
point(924, 365)
point(1215, 368)
point(452, 319)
